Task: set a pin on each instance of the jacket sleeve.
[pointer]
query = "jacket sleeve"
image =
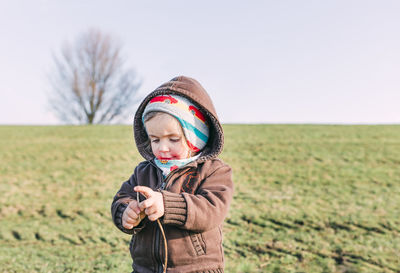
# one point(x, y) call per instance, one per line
point(204, 210)
point(120, 203)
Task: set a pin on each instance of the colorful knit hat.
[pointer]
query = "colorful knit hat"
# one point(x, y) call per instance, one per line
point(193, 121)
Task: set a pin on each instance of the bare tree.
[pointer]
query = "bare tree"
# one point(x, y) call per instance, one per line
point(90, 83)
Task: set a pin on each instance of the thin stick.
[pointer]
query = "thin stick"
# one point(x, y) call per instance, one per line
point(165, 246)
point(138, 201)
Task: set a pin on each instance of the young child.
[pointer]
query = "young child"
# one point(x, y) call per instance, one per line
point(182, 191)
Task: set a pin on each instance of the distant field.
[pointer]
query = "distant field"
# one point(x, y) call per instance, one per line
point(308, 198)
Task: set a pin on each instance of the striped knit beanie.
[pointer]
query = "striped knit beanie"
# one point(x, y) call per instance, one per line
point(193, 121)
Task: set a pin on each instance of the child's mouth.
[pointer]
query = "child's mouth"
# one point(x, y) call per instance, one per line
point(164, 158)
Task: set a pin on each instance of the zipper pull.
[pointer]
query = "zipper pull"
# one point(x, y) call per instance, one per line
point(163, 185)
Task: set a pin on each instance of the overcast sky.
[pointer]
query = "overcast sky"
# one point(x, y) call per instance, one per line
point(261, 61)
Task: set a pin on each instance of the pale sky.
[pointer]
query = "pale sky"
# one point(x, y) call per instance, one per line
point(261, 61)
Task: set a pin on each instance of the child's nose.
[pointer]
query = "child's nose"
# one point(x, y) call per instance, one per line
point(163, 147)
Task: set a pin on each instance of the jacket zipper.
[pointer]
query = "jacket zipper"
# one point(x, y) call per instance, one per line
point(164, 183)
point(157, 239)
point(158, 235)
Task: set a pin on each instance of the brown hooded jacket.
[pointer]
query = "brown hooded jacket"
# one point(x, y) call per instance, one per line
point(196, 197)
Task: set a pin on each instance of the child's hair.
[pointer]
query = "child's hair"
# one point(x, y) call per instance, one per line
point(151, 115)
point(146, 118)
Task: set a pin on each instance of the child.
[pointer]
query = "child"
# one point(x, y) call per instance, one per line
point(183, 191)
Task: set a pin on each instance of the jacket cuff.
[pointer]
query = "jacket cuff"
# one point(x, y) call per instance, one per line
point(175, 209)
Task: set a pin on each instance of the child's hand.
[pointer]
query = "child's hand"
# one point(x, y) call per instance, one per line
point(132, 215)
point(153, 206)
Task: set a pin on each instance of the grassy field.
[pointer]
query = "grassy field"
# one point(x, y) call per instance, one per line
point(307, 198)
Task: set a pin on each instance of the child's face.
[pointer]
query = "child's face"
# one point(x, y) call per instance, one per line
point(167, 139)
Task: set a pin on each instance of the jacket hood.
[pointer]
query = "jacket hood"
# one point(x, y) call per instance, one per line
point(191, 89)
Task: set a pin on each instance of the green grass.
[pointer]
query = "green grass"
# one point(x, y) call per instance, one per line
point(308, 198)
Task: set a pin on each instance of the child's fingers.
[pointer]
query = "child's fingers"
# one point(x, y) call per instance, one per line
point(127, 219)
point(127, 226)
point(130, 221)
point(154, 216)
point(146, 191)
point(146, 203)
point(151, 210)
point(133, 205)
point(131, 213)
point(127, 222)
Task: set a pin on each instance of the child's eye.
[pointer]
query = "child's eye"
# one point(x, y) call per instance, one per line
point(155, 140)
point(175, 139)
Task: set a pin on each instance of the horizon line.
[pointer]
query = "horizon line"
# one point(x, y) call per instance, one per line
point(223, 123)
